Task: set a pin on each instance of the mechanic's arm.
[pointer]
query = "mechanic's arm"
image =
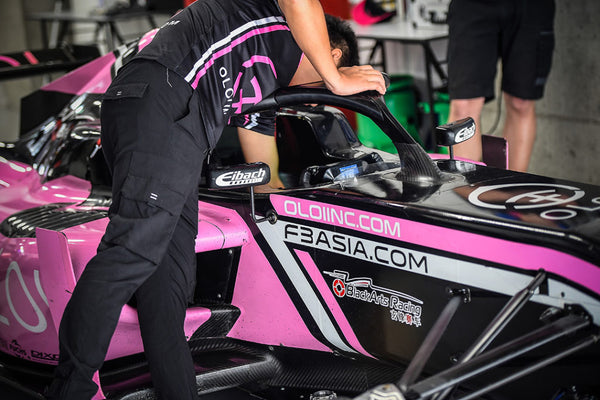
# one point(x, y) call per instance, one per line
point(258, 147)
point(307, 24)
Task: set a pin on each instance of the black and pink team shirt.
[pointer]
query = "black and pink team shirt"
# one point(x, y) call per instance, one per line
point(233, 53)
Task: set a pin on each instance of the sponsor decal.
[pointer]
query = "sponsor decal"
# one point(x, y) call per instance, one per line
point(361, 249)
point(403, 308)
point(465, 133)
point(231, 91)
point(381, 225)
point(555, 202)
point(16, 348)
point(41, 355)
point(440, 261)
point(445, 267)
point(234, 178)
point(227, 87)
point(339, 287)
point(15, 282)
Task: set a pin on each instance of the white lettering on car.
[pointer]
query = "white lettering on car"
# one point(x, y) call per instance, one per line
point(15, 271)
point(240, 178)
point(362, 249)
point(403, 307)
point(340, 216)
point(558, 202)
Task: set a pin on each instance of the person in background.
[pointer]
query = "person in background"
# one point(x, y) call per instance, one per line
point(520, 33)
point(162, 114)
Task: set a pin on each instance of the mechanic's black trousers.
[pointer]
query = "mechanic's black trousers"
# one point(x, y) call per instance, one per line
point(155, 146)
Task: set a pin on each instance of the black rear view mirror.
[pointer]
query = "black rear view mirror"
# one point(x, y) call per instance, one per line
point(239, 176)
point(243, 176)
point(455, 132)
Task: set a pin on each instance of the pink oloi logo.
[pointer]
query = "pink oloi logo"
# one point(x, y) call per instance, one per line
point(255, 85)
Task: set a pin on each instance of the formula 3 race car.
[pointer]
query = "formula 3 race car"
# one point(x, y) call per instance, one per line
point(370, 276)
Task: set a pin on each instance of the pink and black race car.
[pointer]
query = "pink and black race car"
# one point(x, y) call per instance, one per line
point(371, 276)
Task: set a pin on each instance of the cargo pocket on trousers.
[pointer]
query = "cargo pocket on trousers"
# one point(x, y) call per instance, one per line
point(148, 212)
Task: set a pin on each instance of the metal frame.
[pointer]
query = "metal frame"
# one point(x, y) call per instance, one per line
point(475, 361)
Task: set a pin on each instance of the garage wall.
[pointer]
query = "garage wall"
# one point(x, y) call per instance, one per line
point(568, 142)
point(567, 146)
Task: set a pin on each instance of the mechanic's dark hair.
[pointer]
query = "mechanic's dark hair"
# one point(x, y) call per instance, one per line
point(341, 36)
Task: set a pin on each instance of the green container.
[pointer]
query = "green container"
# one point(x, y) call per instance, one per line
point(441, 106)
point(401, 99)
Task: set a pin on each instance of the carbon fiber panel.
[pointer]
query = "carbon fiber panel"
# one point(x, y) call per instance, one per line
point(220, 364)
point(220, 323)
point(313, 370)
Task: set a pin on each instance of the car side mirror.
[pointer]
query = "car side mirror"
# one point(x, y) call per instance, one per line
point(239, 176)
point(455, 132)
point(242, 176)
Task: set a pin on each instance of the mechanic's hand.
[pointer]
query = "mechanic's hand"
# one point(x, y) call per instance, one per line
point(357, 79)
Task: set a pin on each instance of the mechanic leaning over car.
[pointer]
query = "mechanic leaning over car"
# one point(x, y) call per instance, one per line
point(160, 117)
point(259, 143)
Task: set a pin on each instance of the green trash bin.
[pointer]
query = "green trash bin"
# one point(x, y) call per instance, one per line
point(401, 99)
point(441, 106)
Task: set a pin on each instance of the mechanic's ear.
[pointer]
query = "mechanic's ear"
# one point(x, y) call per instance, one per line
point(337, 55)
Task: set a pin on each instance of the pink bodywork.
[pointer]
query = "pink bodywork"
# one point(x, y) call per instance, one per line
point(33, 293)
point(525, 256)
point(93, 77)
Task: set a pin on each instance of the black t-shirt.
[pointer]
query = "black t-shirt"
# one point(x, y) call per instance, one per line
point(232, 52)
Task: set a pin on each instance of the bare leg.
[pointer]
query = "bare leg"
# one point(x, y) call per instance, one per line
point(462, 108)
point(519, 131)
point(261, 148)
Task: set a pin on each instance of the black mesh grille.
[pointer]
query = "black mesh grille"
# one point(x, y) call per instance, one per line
point(51, 216)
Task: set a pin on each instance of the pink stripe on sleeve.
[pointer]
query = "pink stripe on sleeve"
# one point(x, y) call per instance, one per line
point(233, 44)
